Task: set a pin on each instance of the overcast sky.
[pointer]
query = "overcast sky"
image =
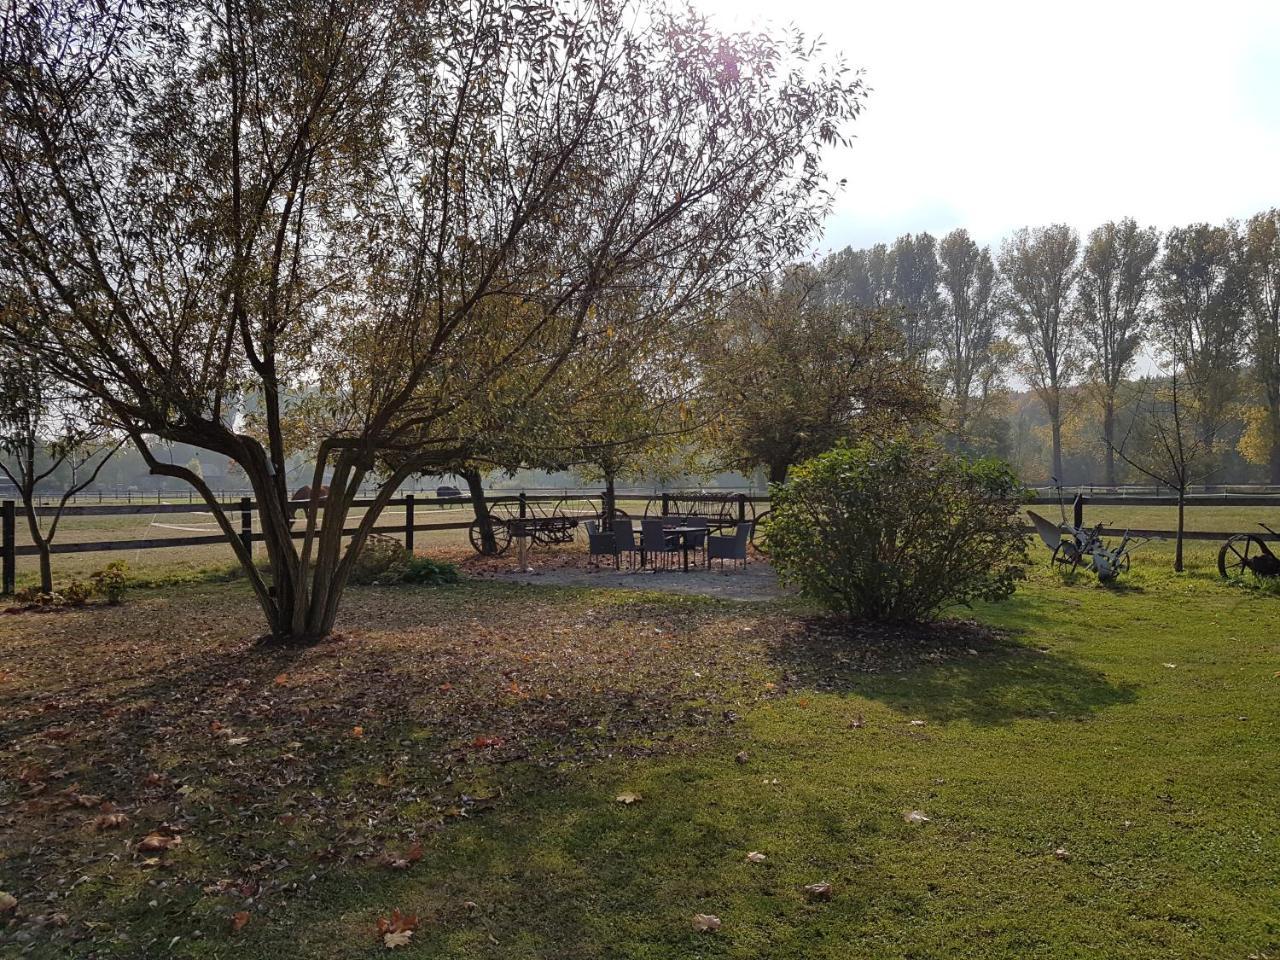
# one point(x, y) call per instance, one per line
point(994, 115)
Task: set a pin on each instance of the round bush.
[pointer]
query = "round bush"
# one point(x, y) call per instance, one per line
point(897, 531)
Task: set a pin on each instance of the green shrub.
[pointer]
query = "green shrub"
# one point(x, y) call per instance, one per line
point(424, 570)
point(75, 594)
point(380, 557)
point(110, 582)
point(897, 531)
point(384, 561)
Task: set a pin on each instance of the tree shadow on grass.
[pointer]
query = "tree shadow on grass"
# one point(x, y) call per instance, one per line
point(947, 670)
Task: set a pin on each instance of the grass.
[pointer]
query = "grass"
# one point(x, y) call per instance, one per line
point(1134, 728)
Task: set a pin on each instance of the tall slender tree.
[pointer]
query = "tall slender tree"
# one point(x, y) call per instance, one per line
point(1258, 256)
point(967, 328)
point(1117, 277)
point(1040, 267)
point(1201, 317)
point(914, 292)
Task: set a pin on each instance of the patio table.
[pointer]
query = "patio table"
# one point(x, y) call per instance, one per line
point(684, 533)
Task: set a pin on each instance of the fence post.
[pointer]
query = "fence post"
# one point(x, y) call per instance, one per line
point(408, 522)
point(524, 505)
point(8, 548)
point(666, 504)
point(742, 508)
point(246, 524)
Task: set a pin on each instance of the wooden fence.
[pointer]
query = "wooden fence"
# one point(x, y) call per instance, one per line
point(245, 507)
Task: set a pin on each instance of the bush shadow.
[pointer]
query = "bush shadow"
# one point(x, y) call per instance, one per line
point(946, 670)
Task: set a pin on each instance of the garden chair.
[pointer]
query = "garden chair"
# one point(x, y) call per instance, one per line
point(730, 548)
point(601, 544)
point(624, 532)
point(655, 542)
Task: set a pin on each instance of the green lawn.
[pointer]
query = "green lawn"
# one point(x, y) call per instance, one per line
point(1101, 781)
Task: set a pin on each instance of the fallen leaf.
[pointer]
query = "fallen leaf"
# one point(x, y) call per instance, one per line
point(858, 722)
point(915, 816)
point(916, 723)
point(110, 821)
point(706, 922)
point(238, 920)
point(158, 841)
point(87, 800)
point(7, 901)
point(1062, 853)
point(281, 679)
point(818, 891)
point(237, 741)
point(397, 923)
point(399, 938)
point(755, 856)
point(628, 798)
point(742, 756)
point(357, 731)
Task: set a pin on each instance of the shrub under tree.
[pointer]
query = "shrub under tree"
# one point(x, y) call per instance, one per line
point(898, 530)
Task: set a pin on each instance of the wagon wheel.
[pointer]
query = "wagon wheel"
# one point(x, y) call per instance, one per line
point(1123, 565)
point(758, 539)
point(1239, 554)
point(501, 536)
point(501, 514)
point(1065, 554)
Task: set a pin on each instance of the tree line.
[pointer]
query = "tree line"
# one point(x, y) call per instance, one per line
point(1072, 317)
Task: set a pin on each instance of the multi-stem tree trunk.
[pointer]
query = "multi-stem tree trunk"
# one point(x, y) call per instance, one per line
point(484, 519)
point(778, 472)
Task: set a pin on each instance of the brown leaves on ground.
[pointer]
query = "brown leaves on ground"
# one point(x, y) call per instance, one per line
point(239, 920)
point(818, 891)
point(250, 755)
point(628, 798)
point(155, 842)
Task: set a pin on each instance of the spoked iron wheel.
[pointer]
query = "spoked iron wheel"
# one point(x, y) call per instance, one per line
point(1066, 556)
point(1240, 554)
point(500, 514)
point(758, 539)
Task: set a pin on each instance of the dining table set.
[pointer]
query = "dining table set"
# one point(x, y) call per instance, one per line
point(669, 543)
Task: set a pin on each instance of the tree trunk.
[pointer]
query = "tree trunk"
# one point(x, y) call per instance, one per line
point(1274, 466)
point(42, 544)
point(778, 472)
point(1055, 426)
point(1177, 550)
point(1109, 435)
point(475, 487)
point(610, 503)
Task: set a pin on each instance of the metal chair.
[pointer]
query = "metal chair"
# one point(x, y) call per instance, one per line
point(730, 548)
point(655, 541)
point(624, 532)
point(601, 544)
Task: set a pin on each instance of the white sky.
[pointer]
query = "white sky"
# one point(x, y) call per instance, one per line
point(993, 115)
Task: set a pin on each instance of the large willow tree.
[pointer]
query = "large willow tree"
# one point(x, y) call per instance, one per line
point(341, 225)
